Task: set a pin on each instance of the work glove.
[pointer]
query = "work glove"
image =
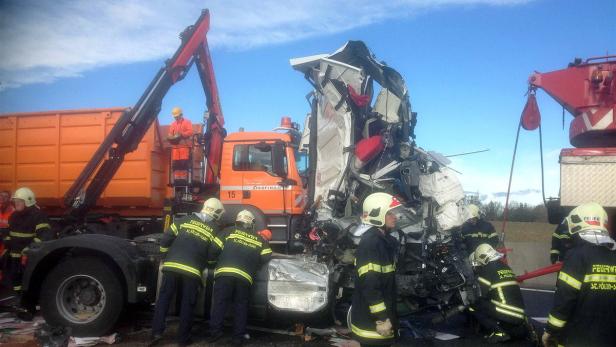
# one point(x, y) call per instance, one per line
point(547, 340)
point(384, 328)
point(553, 258)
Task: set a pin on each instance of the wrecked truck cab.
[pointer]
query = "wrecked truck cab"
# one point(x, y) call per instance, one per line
point(360, 138)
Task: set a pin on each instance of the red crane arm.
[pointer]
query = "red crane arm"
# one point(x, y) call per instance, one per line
point(588, 91)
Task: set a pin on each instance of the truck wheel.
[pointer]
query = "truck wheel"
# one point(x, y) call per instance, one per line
point(84, 294)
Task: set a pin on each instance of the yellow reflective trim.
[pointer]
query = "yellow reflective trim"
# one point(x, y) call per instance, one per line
point(174, 229)
point(560, 236)
point(380, 307)
point(266, 251)
point(369, 334)
point(484, 281)
point(569, 280)
point(41, 226)
point(509, 313)
point(17, 288)
point(556, 322)
point(15, 255)
point(494, 234)
point(218, 242)
point(235, 271)
point(554, 251)
point(164, 249)
point(508, 307)
point(246, 239)
point(36, 239)
point(182, 267)
point(376, 268)
point(501, 295)
point(23, 235)
point(600, 278)
point(504, 284)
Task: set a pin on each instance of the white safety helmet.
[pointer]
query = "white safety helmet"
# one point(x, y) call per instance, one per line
point(483, 254)
point(586, 217)
point(376, 206)
point(213, 208)
point(473, 211)
point(246, 217)
point(589, 222)
point(26, 195)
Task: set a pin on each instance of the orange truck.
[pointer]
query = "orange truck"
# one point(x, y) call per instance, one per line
point(46, 151)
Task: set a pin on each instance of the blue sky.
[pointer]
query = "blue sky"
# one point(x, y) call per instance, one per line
point(466, 63)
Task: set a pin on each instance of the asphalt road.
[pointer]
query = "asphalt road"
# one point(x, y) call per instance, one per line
point(134, 329)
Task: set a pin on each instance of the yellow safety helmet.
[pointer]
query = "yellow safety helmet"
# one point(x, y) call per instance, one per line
point(176, 112)
point(587, 217)
point(213, 208)
point(25, 194)
point(246, 217)
point(484, 253)
point(473, 210)
point(376, 206)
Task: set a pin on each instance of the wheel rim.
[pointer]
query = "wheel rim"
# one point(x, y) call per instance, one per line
point(81, 299)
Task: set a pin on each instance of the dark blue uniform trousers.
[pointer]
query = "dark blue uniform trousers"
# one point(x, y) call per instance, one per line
point(226, 289)
point(190, 288)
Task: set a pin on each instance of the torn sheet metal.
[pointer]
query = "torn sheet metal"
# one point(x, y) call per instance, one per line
point(298, 285)
point(365, 145)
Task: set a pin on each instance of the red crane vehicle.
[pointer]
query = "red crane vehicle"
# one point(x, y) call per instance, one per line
point(587, 90)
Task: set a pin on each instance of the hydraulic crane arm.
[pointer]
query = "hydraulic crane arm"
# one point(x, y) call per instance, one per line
point(130, 128)
point(588, 91)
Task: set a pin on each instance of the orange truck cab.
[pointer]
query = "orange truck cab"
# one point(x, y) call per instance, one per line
point(262, 171)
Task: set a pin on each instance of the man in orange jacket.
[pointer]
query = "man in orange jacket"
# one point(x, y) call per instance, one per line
point(180, 137)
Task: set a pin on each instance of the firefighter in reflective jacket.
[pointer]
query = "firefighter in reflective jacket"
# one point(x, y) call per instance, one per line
point(187, 245)
point(584, 312)
point(561, 243)
point(477, 230)
point(373, 312)
point(243, 253)
point(180, 137)
point(27, 225)
point(6, 209)
point(501, 307)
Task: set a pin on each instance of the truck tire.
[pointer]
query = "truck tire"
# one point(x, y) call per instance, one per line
point(83, 293)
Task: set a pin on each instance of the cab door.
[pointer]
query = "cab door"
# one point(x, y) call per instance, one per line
point(261, 187)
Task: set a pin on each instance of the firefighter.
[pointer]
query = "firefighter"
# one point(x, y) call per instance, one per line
point(477, 230)
point(373, 311)
point(6, 209)
point(243, 253)
point(27, 225)
point(501, 307)
point(186, 243)
point(180, 137)
point(584, 312)
point(561, 243)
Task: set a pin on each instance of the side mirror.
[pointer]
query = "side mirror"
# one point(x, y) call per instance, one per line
point(279, 164)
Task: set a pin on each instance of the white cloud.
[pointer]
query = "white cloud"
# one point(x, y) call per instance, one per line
point(45, 40)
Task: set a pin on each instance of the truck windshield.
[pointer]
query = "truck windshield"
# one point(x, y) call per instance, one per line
point(256, 157)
